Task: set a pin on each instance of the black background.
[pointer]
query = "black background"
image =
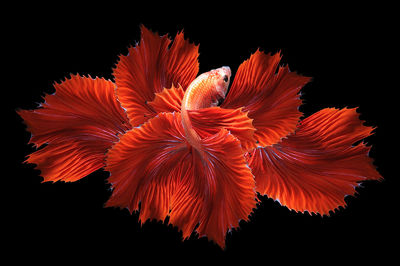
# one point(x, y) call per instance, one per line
point(347, 51)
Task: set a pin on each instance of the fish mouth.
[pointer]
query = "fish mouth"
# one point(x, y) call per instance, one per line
point(220, 101)
point(221, 94)
point(220, 97)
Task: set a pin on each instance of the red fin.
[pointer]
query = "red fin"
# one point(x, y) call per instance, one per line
point(209, 121)
point(169, 100)
point(315, 168)
point(150, 67)
point(146, 164)
point(79, 123)
point(154, 165)
point(231, 196)
point(270, 97)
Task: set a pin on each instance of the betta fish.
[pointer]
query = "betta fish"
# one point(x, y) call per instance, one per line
point(194, 148)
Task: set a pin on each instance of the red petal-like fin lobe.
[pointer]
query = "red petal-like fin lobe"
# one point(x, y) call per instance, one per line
point(154, 165)
point(231, 196)
point(218, 192)
point(79, 122)
point(146, 164)
point(169, 100)
point(270, 95)
point(209, 121)
point(151, 66)
point(315, 168)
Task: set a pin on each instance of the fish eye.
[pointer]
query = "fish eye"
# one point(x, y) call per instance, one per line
point(225, 78)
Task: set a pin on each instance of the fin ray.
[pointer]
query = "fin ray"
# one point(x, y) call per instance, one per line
point(79, 123)
point(209, 121)
point(270, 95)
point(154, 165)
point(316, 167)
point(151, 66)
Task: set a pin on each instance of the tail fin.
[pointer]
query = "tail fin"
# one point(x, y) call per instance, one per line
point(155, 63)
point(270, 95)
point(154, 165)
point(79, 123)
point(316, 167)
point(209, 121)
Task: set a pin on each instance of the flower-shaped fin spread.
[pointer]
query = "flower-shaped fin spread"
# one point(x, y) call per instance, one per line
point(317, 166)
point(79, 123)
point(151, 66)
point(154, 165)
point(185, 157)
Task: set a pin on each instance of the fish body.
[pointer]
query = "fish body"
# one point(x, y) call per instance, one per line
point(205, 91)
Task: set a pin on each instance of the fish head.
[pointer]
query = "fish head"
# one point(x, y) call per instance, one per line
point(220, 79)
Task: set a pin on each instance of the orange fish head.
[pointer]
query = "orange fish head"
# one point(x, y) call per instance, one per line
point(220, 78)
point(208, 89)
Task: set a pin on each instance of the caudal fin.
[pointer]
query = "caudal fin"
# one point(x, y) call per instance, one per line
point(316, 167)
point(79, 123)
point(154, 165)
